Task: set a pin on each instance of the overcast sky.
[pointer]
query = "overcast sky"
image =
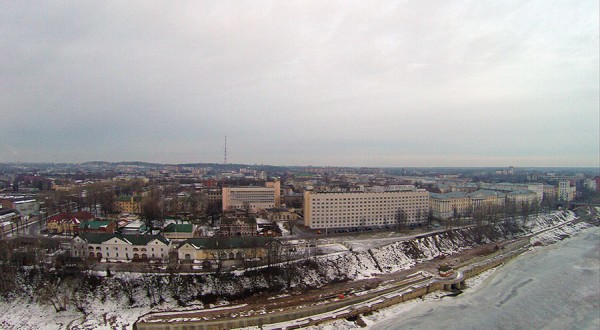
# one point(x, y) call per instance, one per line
point(365, 83)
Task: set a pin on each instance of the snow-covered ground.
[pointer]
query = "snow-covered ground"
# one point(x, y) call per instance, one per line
point(21, 313)
point(107, 311)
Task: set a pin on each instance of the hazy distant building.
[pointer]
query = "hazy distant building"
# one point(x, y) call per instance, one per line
point(590, 184)
point(25, 206)
point(253, 198)
point(129, 204)
point(550, 192)
point(358, 209)
point(537, 188)
point(454, 204)
point(522, 197)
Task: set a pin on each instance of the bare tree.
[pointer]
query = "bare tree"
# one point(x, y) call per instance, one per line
point(401, 219)
point(213, 209)
point(128, 285)
point(479, 218)
point(154, 285)
point(102, 194)
point(419, 215)
point(152, 209)
point(52, 290)
point(194, 204)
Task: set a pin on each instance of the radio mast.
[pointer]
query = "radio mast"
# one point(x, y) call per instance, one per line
point(225, 156)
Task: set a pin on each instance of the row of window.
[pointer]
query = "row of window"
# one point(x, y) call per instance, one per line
point(135, 255)
point(397, 200)
point(333, 223)
point(371, 198)
point(369, 208)
point(116, 248)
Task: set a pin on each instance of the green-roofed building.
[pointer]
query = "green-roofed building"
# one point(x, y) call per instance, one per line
point(98, 226)
point(175, 231)
point(220, 249)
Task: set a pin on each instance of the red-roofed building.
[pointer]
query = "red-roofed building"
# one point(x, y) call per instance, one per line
point(67, 223)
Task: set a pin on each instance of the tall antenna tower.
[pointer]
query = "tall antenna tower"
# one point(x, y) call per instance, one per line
point(225, 156)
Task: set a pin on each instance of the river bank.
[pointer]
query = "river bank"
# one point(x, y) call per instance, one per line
point(316, 285)
point(416, 255)
point(548, 287)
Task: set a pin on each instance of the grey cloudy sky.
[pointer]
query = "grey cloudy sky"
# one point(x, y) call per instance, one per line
point(365, 83)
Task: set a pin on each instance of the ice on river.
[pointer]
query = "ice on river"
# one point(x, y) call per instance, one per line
point(554, 287)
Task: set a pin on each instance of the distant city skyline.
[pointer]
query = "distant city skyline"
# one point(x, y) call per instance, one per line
point(376, 84)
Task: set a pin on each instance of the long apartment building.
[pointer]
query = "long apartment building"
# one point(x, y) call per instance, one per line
point(364, 209)
point(254, 198)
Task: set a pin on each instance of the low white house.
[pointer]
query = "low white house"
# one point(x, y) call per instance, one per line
point(215, 249)
point(117, 247)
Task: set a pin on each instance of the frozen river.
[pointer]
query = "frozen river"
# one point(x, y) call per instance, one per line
point(553, 287)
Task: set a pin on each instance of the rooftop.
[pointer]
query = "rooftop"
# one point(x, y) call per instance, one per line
point(100, 238)
point(227, 243)
point(95, 225)
point(178, 228)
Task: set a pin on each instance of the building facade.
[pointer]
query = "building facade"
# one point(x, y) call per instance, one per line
point(27, 207)
point(550, 192)
point(522, 197)
point(537, 188)
point(129, 204)
point(215, 250)
point(358, 209)
point(454, 204)
point(280, 213)
point(67, 223)
point(117, 247)
point(445, 206)
point(252, 198)
point(566, 192)
point(213, 194)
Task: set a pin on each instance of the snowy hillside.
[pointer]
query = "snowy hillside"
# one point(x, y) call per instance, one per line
point(92, 302)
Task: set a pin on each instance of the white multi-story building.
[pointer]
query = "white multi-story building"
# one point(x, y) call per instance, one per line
point(253, 198)
point(565, 191)
point(369, 209)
